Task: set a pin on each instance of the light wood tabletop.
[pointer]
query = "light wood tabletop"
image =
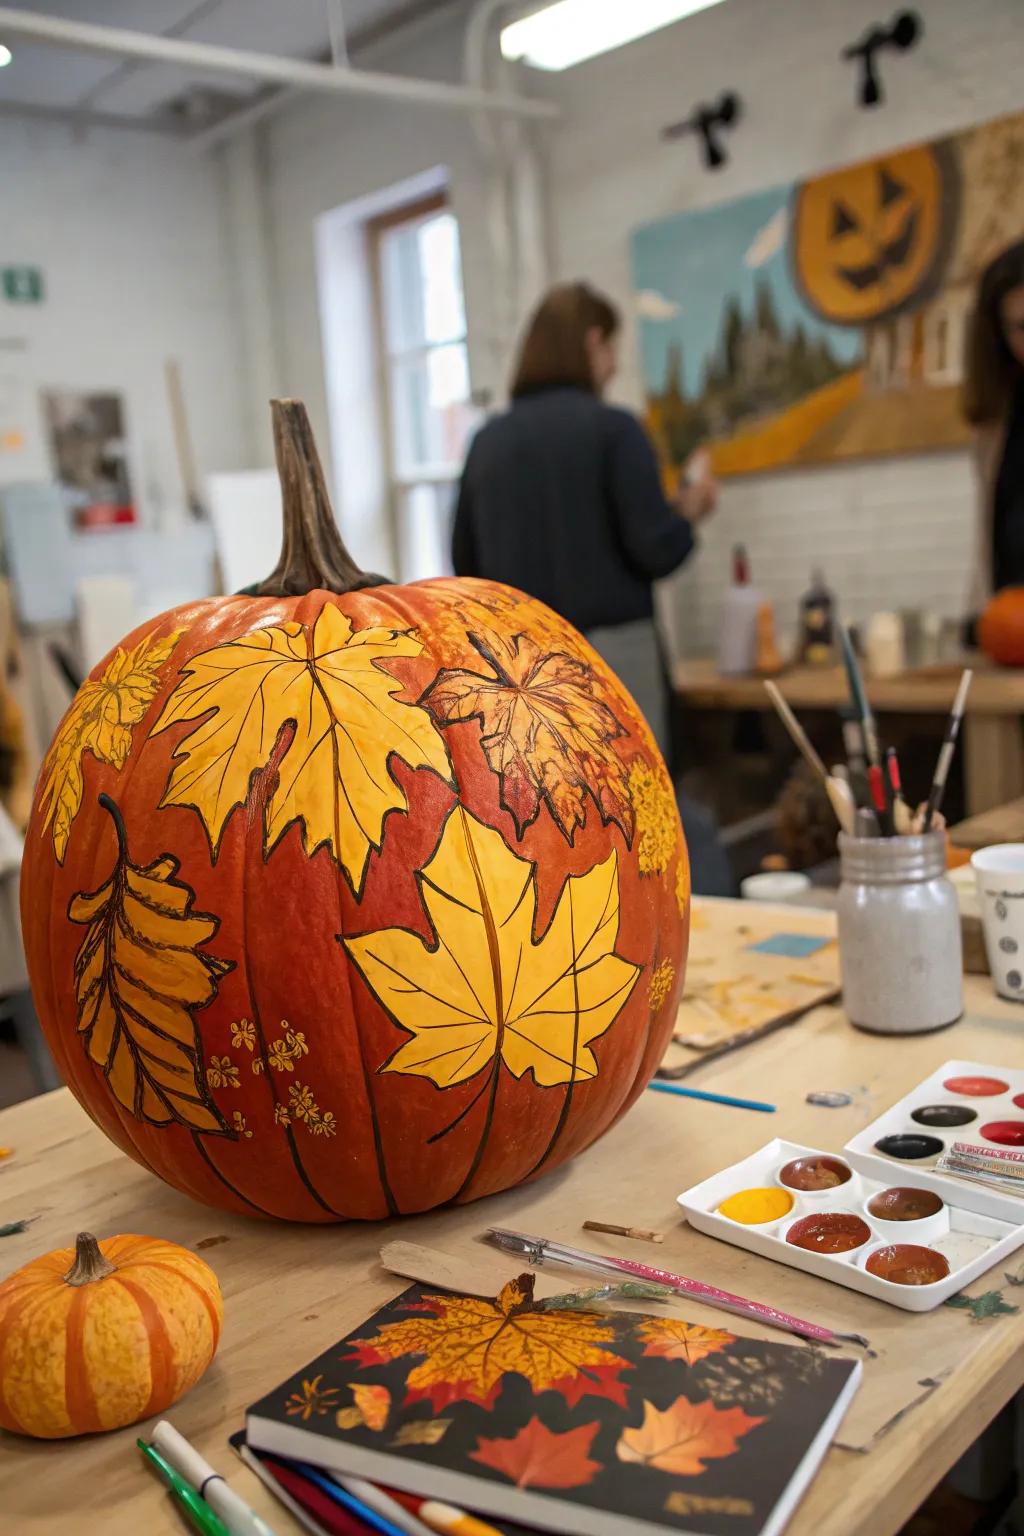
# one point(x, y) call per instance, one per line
point(1002, 824)
point(933, 1383)
point(992, 737)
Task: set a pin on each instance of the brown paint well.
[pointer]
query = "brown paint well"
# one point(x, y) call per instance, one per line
point(904, 1204)
point(832, 1232)
point(814, 1173)
point(907, 1264)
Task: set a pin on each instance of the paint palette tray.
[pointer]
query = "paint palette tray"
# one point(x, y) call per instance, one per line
point(963, 1101)
point(856, 1231)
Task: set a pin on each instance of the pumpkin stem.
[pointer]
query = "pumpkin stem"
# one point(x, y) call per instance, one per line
point(89, 1262)
point(312, 553)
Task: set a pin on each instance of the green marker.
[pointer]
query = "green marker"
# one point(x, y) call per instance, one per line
point(205, 1519)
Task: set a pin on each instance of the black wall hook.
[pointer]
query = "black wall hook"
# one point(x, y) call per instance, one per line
point(707, 122)
point(903, 32)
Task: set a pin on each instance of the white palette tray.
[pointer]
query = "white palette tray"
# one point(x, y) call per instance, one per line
point(864, 1153)
point(970, 1242)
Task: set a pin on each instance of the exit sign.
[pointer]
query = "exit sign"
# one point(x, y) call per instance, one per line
point(22, 285)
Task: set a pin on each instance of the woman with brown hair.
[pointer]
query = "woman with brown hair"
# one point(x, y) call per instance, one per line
point(561, 496)
point(994, 405)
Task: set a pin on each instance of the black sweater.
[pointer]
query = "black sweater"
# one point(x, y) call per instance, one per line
point(561, 497)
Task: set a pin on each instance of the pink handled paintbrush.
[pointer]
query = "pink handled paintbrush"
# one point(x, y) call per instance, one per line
point(542, 1249)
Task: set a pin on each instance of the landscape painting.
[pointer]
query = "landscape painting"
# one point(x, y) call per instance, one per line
point(825, 321)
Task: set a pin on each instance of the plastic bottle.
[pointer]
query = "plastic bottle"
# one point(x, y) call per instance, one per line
point(737, 632)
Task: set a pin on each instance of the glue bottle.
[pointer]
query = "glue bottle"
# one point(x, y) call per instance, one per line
point(737, 625)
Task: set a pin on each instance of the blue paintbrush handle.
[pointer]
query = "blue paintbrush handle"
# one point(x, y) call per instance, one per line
point(711, 1098)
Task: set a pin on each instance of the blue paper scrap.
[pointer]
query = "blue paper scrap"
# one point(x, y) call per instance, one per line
point(793, 946)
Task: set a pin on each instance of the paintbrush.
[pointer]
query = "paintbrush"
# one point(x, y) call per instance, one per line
point(946, 751)
point(902, 815)
point(839, 794)
point(540, 1249)
point(860, 699)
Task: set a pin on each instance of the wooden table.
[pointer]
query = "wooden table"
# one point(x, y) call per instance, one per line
point(290, 1292)
point(992, 739)
point(1003, 824)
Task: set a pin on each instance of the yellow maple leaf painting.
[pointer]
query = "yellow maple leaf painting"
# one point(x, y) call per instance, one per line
point(100, 721)
point(468, 1345)
point(487, 990)
point(329, 684)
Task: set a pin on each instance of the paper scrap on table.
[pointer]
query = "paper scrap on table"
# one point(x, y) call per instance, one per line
point(794, 946)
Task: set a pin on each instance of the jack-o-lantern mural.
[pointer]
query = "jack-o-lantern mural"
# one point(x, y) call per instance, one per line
point(825, 321)
point(871, 239)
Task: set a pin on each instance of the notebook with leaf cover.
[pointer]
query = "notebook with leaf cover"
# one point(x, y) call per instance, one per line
point(568, 1420)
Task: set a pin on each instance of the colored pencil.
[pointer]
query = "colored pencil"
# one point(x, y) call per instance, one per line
point(346, 1501)
point(539, 1249)
point(268, 1478)
point(444, 1518)
point(709, 1098)
point(946, 751)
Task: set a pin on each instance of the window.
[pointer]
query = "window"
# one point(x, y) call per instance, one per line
point(422, 331)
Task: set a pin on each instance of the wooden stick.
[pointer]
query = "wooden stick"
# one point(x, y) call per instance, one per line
point(642, 1234)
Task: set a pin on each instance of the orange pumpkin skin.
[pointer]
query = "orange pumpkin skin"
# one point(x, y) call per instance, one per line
point(1001, 628)
point(84, 1357)
point(385, 905)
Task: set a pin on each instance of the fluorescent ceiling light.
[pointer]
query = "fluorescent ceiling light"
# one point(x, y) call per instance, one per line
point(5, 55)
point(570, 31)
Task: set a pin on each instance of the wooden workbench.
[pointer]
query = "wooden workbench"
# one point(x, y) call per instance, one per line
point(992, 740)
point(292, 1291)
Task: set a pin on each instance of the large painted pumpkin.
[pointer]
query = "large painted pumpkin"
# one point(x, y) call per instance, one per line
point(1001, 628)
point(344, 899)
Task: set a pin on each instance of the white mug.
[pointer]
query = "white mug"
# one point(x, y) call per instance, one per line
point(999, 871)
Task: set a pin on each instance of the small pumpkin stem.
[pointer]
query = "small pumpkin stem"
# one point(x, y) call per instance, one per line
point(89, 1262)
point(312, 553)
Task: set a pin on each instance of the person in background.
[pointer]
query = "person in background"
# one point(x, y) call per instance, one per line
point(561, 496)
point(994, 405)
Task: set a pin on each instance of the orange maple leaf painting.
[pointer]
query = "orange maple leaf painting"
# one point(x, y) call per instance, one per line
point(538, 1457)
point(676, 1340)
point(681, 1438)
point(469, 1344)
point(544, 728)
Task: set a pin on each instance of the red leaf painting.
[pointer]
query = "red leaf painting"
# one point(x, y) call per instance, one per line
point(538, 1457)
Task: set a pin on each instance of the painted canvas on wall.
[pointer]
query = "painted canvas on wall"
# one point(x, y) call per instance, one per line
point(825, 321)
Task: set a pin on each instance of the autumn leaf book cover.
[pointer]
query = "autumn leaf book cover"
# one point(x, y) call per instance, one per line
point(566, 1420)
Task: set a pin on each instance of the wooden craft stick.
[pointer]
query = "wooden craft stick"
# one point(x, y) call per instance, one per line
point(642, 1234)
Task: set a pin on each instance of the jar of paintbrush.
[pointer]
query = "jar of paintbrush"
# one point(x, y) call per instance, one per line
point(899, 934)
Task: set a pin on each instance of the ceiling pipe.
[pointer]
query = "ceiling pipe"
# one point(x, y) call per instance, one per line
point(120, 42)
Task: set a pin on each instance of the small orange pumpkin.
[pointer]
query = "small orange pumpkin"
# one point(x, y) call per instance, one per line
point(104, 1334)
point(1001, 628)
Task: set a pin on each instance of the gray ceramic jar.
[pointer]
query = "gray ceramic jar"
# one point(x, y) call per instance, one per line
point(899, 934)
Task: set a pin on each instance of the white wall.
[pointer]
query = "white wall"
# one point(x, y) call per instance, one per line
point(131, 233)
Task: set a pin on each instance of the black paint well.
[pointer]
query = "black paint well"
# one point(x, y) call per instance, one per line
point(944, 1116)
point(909, 1148)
